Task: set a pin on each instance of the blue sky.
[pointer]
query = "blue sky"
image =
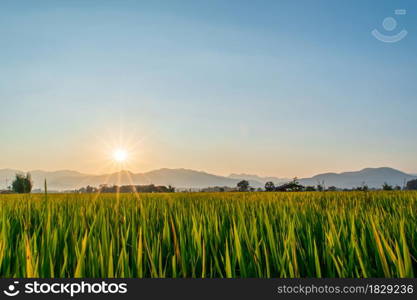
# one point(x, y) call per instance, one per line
point(284, 88)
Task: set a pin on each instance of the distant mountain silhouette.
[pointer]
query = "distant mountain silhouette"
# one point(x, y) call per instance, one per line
point(373, 177)
point(184, 178)
point(69, 180)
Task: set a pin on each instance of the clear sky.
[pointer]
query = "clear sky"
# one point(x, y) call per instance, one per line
point(283, 88)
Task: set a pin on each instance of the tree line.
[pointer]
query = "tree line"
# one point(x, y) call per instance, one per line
point(150, 188)
point(295, 186)
point(23, 183)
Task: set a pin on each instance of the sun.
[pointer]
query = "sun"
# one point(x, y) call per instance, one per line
point(120, 155)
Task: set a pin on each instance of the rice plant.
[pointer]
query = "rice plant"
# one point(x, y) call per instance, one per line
point(198, 235)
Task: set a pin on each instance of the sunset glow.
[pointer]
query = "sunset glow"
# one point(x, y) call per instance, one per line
point(120, 155)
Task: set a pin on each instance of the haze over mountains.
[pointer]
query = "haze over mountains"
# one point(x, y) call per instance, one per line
point(184, 178)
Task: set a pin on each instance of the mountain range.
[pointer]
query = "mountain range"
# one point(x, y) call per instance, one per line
point(191, 179)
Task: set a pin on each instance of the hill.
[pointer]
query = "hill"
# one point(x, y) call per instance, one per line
point(373, 177)
point(185, 178)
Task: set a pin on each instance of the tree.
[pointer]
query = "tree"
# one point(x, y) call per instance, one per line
point(411, 185)
point(269, 186)
point(363, 188)
point(89, 189)
point(320, 186)
point(310, 188)
point(292, 186)
point(22, 184)
point(332, 188)
point(295, 186)
point(387, 187)
point(243, 185)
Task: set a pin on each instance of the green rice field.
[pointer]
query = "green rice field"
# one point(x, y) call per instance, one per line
point(197, 235)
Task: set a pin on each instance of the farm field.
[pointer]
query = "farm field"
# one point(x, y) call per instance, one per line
point(260, 234)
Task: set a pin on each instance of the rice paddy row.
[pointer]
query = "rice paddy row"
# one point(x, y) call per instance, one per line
point(233, 235)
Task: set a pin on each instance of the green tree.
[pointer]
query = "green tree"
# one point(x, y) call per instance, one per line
point(292, 186)
point(269, 186)
point(363, 188)
point(387, 187)
point(243, 185)
point(411, 185)
point(22, 184)
point(320, 186)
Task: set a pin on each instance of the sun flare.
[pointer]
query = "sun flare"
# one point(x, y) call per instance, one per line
point(120, 155)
